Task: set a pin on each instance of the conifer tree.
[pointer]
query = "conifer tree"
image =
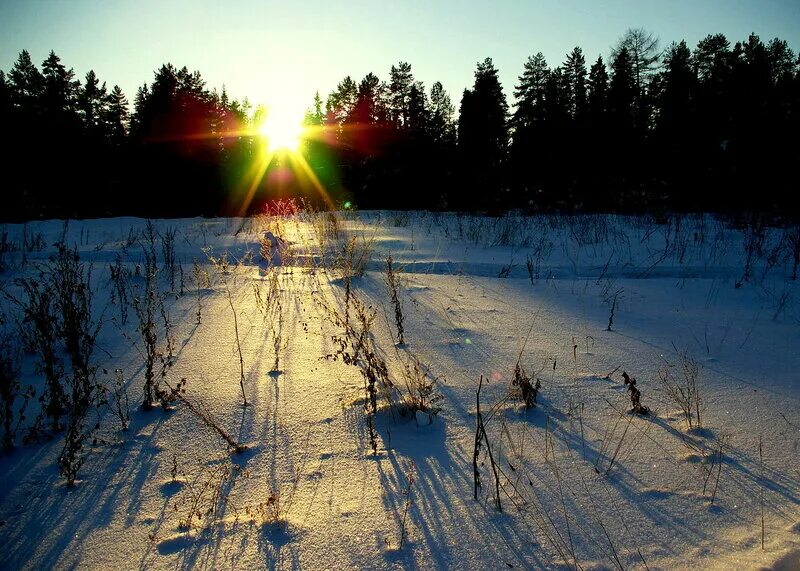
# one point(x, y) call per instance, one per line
point(442, 127)
point(92, 102)
point(60, 89)
point(483, 137)
point(401, 81)
point(418, 108)
point(26, 83)
point(529, 92)
point(314, 116)
point(597, 89)
point(340, 102)
point(116, 116)
point(575, 83)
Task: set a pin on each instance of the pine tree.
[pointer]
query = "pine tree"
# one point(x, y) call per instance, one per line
point(60, 89)
point(26, 83)
point(781, 61)
point(401, 81)
point(340, 103)
point(367, 109)
point(712, 58)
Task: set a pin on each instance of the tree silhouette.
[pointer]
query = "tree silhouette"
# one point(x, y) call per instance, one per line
point(401, 81)
point(441, 125)
point(575, 83)
point(711, 128)
point(642, 48)
point(483, 139)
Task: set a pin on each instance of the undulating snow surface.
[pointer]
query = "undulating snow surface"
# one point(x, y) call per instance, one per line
point(583, 482)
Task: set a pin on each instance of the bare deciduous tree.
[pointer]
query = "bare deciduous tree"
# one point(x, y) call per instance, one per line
point(643, 49)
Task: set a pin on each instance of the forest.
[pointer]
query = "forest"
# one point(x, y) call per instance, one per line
point(680, 129)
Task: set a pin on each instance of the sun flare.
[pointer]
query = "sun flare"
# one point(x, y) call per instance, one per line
point(281, 131)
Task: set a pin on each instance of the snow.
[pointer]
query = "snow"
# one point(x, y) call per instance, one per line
point(584, 483)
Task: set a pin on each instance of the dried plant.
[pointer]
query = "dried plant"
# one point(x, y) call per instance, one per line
point(524, 388)
point(148, 303)
point(10, 390)
point(202, 280)
point(178, 393)
point(393, 283)
point(78, 329)
point(481, 440)
point(227, 273)
point(408, 501)
point(7, 247)
point(421, 389)
point(121, 402)
point(612, 300)
point(679, 382)
point(40, 331)
point(119, 291)
point(355, 256)
point(168, 252)
point(203, 496)
point(635, 395)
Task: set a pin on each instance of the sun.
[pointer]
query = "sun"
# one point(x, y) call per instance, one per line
point(281, 131)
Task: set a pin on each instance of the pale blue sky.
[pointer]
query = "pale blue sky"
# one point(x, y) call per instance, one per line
point(283, 51)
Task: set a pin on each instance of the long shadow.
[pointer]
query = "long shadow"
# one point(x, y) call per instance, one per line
point(79, 511)
point(439, 500)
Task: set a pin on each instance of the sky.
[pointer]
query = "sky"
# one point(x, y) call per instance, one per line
point(282, 52)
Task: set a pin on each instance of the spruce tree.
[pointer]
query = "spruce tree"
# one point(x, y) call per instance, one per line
point(575, 82)
point(597, 90)
point(483, 138)
point(529, 92)
point(92, 102)
point(441, 125)
point(116, 116)
point(314, 116)
point(418, 108)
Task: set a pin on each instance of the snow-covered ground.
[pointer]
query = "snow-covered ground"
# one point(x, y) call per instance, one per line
point(583, 483)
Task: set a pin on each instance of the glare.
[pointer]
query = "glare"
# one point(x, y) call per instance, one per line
point(281, 131)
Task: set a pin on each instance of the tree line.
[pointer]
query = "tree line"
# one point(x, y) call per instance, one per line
point(710, 128)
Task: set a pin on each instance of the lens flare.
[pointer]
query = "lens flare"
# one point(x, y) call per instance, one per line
point(281, 132)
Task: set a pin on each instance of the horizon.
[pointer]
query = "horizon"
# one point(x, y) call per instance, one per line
point(124, 45)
